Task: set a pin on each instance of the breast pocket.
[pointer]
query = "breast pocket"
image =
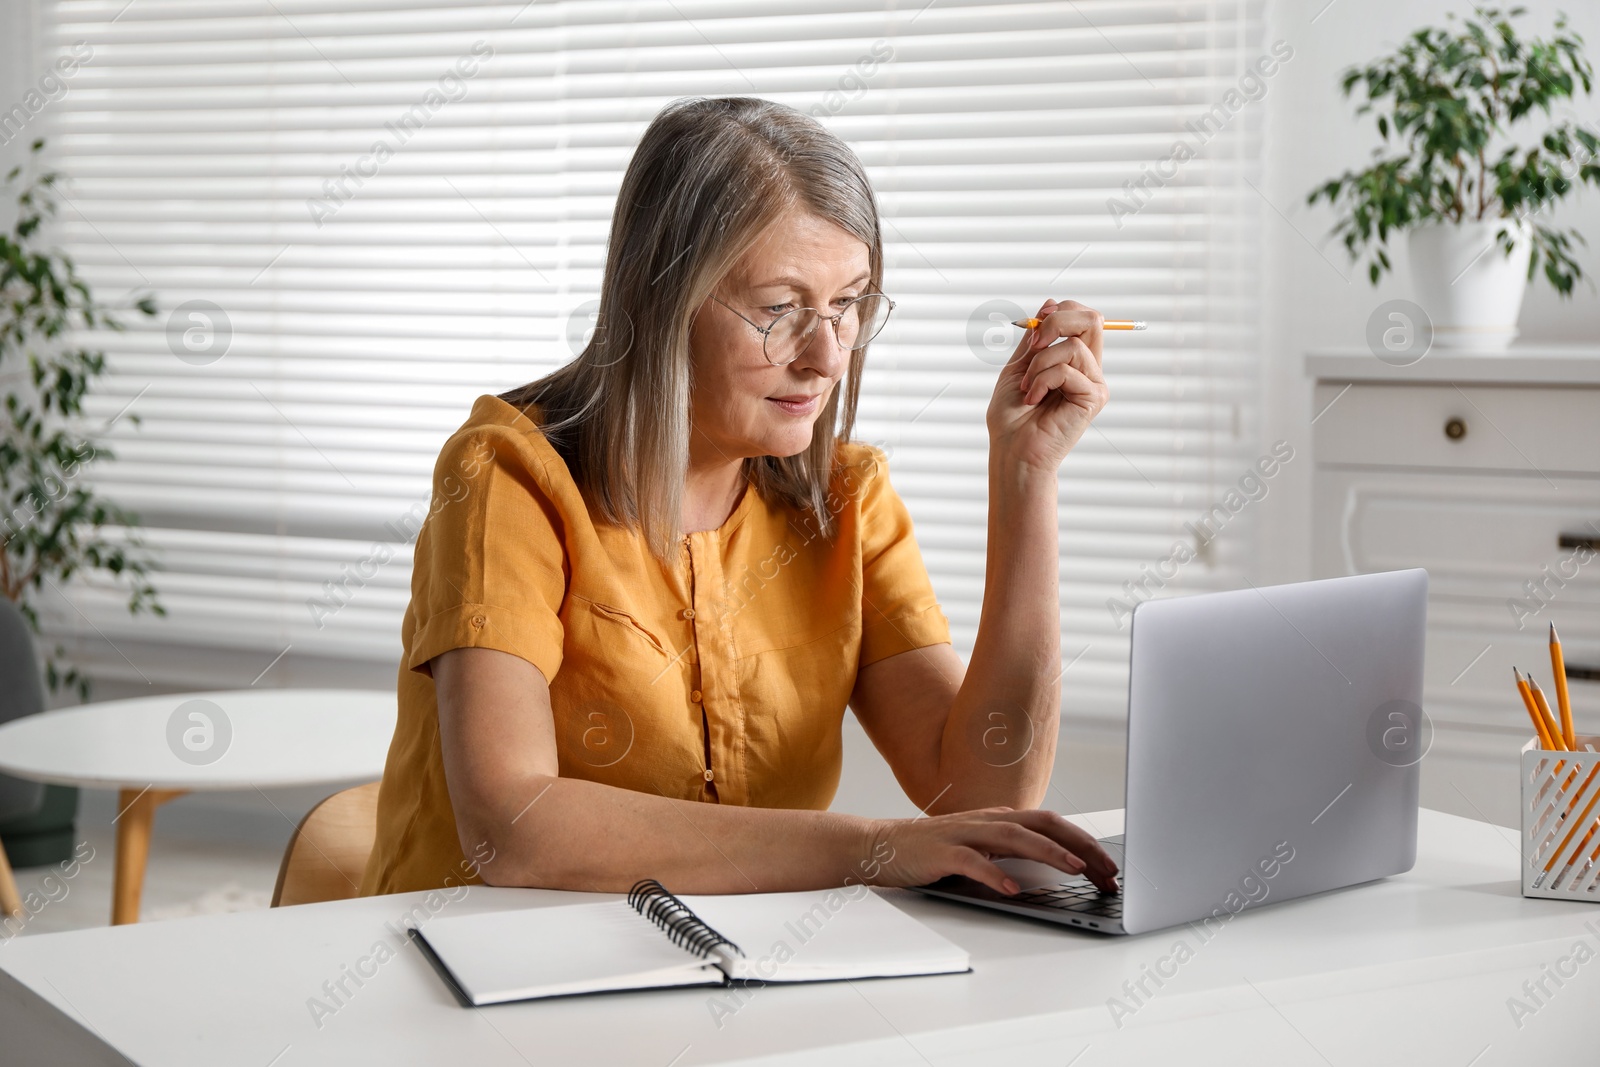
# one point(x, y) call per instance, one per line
point(620, 704)
point(615, 630)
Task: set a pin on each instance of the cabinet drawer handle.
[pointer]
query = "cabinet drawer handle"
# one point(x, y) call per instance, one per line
point(1579, 672)
point(1579, 541)
point(1455, 429)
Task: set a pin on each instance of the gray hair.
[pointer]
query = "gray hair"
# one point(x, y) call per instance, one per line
point(709, 176)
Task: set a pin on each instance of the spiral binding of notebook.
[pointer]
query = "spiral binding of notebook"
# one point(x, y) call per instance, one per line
point(686, 929)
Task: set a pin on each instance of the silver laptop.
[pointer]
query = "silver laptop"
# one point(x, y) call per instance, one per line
point(1274, 737)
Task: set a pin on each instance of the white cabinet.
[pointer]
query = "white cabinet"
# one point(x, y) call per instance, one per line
point(1485, 469)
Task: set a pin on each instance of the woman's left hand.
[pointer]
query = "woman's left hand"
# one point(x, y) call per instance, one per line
point(1050, 388)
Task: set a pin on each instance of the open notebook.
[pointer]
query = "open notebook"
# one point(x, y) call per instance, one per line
point(654, 939)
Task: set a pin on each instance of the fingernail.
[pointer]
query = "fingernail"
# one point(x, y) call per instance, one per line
point(1010, 886)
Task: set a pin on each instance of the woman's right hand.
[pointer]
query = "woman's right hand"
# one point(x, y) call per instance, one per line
point(908, 852)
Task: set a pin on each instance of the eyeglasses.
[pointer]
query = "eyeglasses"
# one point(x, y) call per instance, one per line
point(790, 334)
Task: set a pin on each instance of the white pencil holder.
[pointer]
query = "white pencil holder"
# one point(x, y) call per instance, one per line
point(1560, 808)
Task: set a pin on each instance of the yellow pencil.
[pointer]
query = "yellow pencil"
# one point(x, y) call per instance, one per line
point(1533, 713)
point(1109, 324)
point(1559, 668)
point(1555, 734)
point(1546, 728)
point(1593, 856)
point(1583, 845)
point(1544, 712)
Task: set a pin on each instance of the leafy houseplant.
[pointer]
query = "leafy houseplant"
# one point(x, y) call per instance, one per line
point(1445, 97)
point(52, 523)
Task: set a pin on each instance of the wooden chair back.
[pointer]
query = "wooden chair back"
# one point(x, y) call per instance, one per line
point(10, 896)
point(329, 849)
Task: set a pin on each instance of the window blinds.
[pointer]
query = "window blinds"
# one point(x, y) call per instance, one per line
point(358, 215)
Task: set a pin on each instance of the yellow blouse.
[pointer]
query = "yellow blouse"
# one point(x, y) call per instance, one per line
point(721, 679)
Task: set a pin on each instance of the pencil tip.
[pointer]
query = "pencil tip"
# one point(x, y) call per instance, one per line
point(1553, 632)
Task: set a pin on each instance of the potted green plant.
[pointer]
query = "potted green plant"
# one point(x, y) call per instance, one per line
point(1460, 186)
point(53, 525)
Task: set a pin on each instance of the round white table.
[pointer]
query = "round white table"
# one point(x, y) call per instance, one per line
point(152, 749)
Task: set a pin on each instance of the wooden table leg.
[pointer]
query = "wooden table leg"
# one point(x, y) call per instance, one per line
point(137, 809)
point(10, 898)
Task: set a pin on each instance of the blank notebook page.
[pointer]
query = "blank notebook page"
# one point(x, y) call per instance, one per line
point(547, 952)
point(822, 935)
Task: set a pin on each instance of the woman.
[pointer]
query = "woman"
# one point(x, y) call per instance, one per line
point(652, 580)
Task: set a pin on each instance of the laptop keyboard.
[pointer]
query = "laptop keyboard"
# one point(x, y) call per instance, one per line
point(1080, 897)
point(1076, 897)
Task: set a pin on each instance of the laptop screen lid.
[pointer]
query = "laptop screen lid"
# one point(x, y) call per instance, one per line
point(1274, 737)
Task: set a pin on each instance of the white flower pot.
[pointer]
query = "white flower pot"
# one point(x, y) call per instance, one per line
point(1471, 290)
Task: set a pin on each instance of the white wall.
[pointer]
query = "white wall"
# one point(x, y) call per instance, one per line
point(18, 61)
point(1313, 135)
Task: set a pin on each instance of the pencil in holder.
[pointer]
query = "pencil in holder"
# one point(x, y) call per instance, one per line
point(1561, 821)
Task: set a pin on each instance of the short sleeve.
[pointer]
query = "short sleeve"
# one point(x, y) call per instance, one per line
point(899, 611)
point(490, 564)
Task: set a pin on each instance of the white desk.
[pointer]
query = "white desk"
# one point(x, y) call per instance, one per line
point(1413, 970)
point(153, 749)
